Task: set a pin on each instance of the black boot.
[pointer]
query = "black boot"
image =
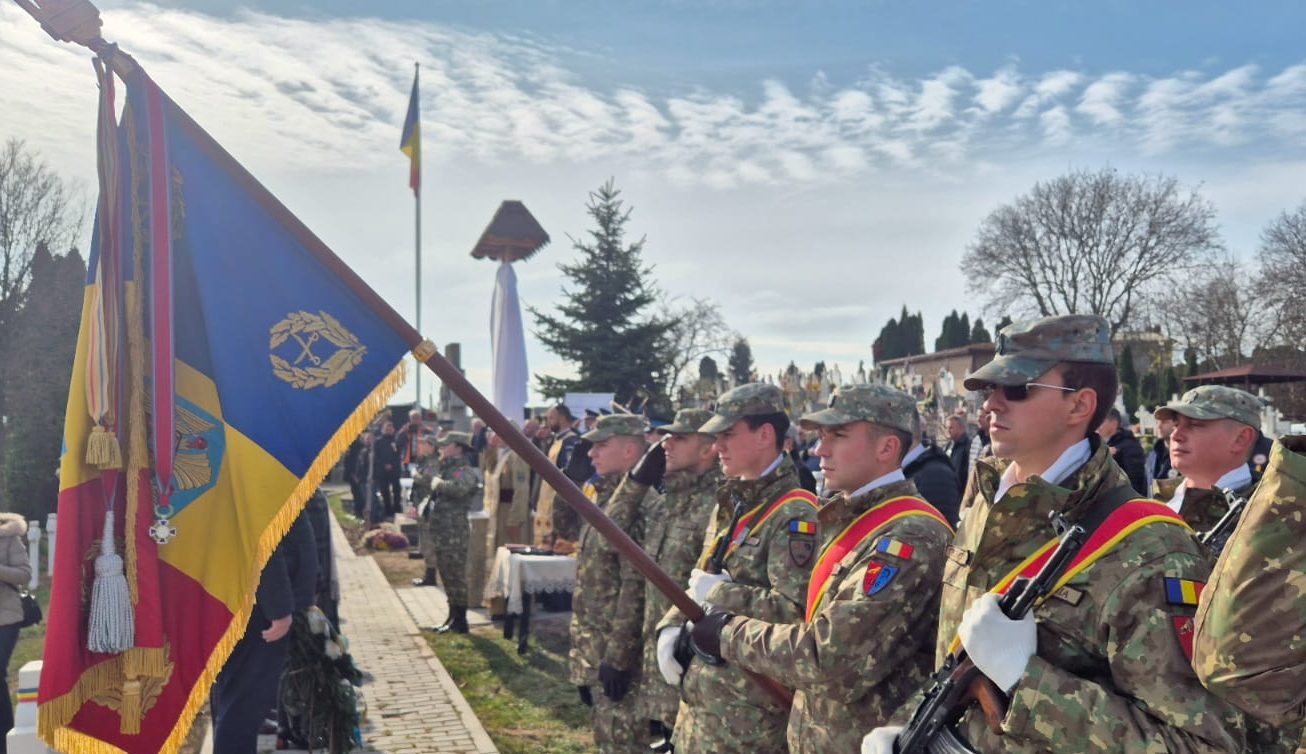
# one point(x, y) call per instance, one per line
point(457, 622)
point(428, 579)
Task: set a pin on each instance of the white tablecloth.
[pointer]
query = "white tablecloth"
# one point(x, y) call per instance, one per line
point(514, 575)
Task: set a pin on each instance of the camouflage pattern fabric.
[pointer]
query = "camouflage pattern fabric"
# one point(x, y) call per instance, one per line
point(1027, 349)
point(1202, 508)
point(1250, 645)
point(686, 422)
point(875, 403)
point(722, 710)
point(871, 643)
point(607, 616)
point(445, 532)
point(674, 536)
point(1110, 673)
point(614, 425)
point(1208, 402)
point(753, 399)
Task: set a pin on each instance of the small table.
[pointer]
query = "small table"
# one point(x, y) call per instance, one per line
point(515, 577)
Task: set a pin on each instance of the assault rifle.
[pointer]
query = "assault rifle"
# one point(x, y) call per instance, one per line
point(959, 683)
point(1217, 535)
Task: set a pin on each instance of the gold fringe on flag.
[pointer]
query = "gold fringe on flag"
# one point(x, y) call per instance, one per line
point(102, 449)
point(57, 713)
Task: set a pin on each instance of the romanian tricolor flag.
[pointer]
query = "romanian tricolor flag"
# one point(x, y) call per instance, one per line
point(223, 366)
point(410, 143)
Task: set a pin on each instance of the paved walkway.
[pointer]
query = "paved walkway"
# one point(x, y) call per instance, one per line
point(412, 704)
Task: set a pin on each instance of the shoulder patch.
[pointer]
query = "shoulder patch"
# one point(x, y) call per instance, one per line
point(1183, 628)
point(801, 549)
point(1183, 591)
point(797, 526)
point(895, 548)
point(878, 575)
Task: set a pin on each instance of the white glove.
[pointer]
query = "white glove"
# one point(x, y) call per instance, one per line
point(999, 646)
point(667, 664)
point(701, 582)
point(881, 740)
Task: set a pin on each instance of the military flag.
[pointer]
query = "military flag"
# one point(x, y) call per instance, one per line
point(225, 362)
point(410, 142)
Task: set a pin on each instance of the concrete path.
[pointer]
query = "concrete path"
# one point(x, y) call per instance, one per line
point(412, 704)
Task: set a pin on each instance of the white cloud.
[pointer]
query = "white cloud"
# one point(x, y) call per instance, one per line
point(999, 91)
point(1101, 99)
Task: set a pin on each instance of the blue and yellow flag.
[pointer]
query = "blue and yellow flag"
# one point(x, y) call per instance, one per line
point(276, 365)
point(410, 143)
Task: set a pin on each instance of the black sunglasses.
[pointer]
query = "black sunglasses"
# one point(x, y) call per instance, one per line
point(1017, 393)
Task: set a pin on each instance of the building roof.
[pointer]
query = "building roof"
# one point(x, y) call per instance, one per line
point(947, 353)
point(1248, 374)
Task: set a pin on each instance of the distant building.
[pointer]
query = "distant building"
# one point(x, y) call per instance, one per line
point(915, 374)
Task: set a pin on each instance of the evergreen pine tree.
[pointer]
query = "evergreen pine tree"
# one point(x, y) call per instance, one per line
point(913, 336)
point(1169, 385)
point(605, 326)
point(707, 369)
point(1190, 362)
point(963, 331)
point(978, 334)
point(741, 362)
point(1001, 324)
point(36, 370)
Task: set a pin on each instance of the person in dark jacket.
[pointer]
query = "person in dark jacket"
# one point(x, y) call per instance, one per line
point(385, 468)
point(958, 448)
point(1126, 450)
point(246, 689)
point(932, 473)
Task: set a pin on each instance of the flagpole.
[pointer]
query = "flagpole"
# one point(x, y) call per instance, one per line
point(79, 23)
point(417, 244)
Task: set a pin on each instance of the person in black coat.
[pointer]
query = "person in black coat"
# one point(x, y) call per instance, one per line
point(958, 449)
point(1126, 449)
point(936, 480)
point(246, 689)
point(386, 469)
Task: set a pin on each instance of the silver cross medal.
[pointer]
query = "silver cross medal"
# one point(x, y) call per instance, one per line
point(162, 531)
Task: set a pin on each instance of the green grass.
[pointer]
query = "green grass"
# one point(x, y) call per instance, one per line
point(525, 703)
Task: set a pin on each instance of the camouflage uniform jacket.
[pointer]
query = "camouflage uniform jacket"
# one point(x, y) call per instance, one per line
point(1110, 673)
point(674, 535)
point(1202, 508)
point(454, 490)
point(1250, 645)
point(608, 604)
point(871, 643)
point(766, 583)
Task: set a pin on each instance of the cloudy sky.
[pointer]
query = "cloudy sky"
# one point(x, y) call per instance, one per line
point(810, 165)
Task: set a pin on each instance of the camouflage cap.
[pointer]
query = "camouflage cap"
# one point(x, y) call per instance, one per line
point(1215, 402)
point(462, 438)
point(1027, 349)
point(753, 399)
point(874, 403)
point(612, 425)
point(687, 421)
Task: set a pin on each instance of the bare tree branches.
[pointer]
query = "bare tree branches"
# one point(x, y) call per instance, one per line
point(36, 207)
point(1089, 243)
point(1282, 258)
point(698, 330)
point(1218, 313)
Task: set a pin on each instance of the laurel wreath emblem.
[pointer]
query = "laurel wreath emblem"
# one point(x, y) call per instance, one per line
point(306, 330)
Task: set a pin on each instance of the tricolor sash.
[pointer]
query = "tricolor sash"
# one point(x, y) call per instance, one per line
point(862, 528)
point(751, 521)
point(1123, 521)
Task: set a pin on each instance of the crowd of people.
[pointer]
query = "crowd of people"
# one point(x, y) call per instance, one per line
point(846, 556)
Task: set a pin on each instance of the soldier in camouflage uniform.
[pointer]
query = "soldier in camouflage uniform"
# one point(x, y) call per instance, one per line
point(608, 604)
point(866, 642)
point(674, 536)
point(1102, 665)
point(1250, 645)
point(445, 532)
point(1215, 431)
point(768, 558)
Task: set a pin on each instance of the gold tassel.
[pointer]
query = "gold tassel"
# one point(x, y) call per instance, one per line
point(102, 449)
point(130, 714)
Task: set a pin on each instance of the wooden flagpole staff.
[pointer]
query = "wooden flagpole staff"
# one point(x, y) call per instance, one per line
point(78, 21)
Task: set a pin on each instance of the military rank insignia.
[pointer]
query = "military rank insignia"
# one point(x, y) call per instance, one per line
point(878, 575)
point(802, 542)
point(1183, 591)
point(895, 548)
